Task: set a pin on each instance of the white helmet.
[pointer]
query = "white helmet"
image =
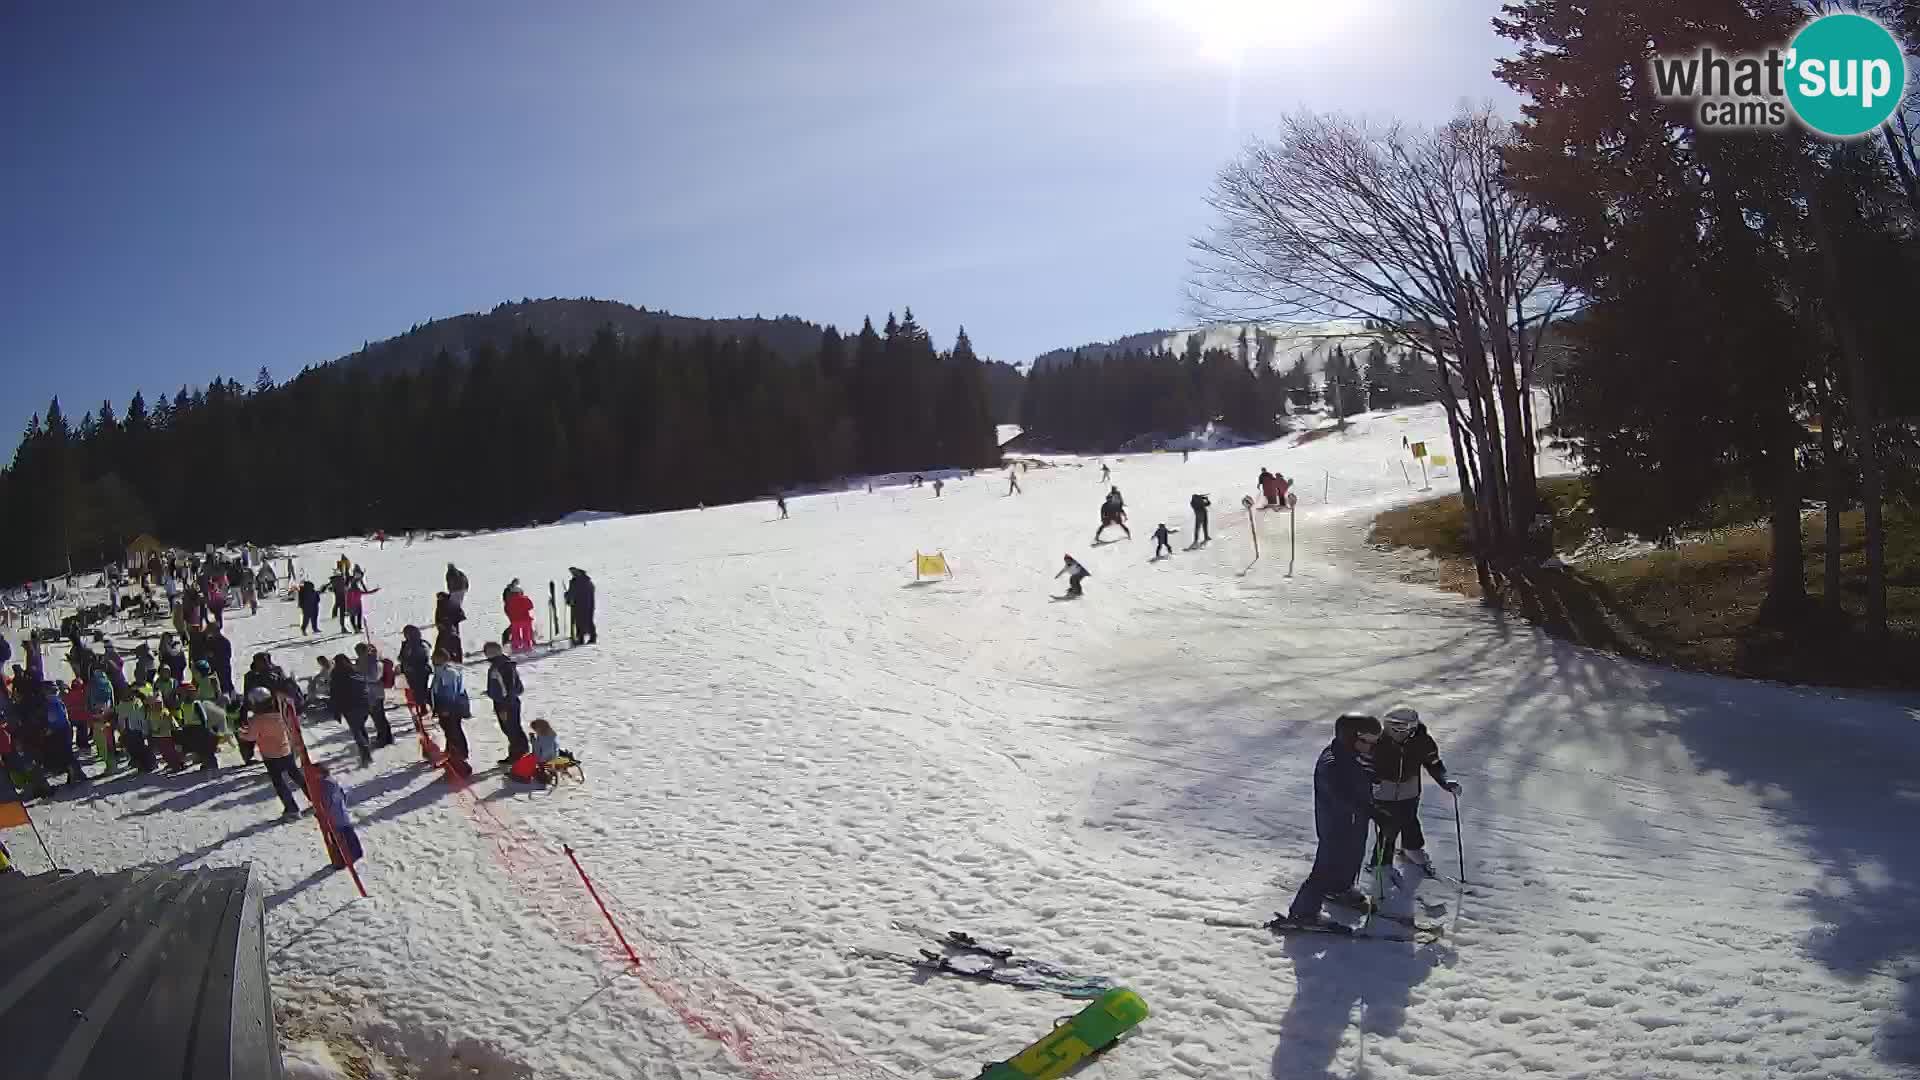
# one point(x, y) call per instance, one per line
point(259, 697)
point(1398, 722)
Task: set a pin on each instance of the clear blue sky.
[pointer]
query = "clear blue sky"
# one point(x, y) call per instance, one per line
point(197, 189)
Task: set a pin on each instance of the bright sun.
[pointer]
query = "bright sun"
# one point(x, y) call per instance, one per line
point(1227, 30)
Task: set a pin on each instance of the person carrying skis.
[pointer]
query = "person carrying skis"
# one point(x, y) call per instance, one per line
point(309, 608)
point(1200, 503)
point(1342, 805)
point(504, 689)
point(1405, 748)
point(580, 602)
point(1162, 541)
point(1076, 574)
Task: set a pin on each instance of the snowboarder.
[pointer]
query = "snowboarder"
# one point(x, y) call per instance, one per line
point(1013, 482)
point(1077, 574)
point(1342, 804)
point(504, 689)
point(1200, 503)
point(1405, 748)
point(780, 501)
point(1162, 541)
point(580, 602)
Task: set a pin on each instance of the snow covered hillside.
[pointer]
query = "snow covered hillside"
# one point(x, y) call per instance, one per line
point(790, 744)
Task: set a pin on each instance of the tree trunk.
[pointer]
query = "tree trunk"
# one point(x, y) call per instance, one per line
point(1476, 528)
point(1787, 583)
point(1860, 404)
point(1836, 501)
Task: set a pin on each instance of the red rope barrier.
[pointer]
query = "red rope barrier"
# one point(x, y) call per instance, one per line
point(604, 913)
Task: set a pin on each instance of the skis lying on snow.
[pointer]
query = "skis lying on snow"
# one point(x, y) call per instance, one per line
point(1423, 934)
point(987, 963)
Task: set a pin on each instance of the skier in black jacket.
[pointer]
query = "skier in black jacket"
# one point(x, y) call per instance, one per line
point(1200, 503)
point(348, 693)
point(1342, 803)
point(1404, 749)
point(579, 597)
point(416, 663)
point(309, 608)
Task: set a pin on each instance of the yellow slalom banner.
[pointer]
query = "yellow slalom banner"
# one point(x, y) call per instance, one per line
point(1437, 460)
point(926, 566)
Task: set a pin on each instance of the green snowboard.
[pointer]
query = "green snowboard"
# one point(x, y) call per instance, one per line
point(1091, 1030)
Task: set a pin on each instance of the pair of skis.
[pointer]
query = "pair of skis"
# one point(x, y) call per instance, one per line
point(1417, 932)
point(964, 956)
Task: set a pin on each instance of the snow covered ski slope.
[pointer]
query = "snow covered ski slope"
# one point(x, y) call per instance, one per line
point(791, 745)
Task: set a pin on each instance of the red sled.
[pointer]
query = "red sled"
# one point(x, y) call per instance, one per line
point(524, 768)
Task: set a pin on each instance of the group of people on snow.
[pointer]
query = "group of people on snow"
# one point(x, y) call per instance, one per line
point(1368, 774)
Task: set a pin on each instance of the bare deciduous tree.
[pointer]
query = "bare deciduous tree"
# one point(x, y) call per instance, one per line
point(1411, 230)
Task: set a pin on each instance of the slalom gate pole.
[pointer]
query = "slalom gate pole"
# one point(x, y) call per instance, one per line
point(1254, 531)
point(43, 842)
point(1459, 842)
point(1290, 540)
point(595, 893)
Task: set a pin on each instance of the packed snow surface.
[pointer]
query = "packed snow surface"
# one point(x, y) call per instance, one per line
point(789, 744)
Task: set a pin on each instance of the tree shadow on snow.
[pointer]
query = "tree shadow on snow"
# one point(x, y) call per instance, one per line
point(1331, 979)
point(1836, 774)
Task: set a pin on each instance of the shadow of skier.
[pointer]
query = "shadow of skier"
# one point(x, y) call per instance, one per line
point(1330, 978)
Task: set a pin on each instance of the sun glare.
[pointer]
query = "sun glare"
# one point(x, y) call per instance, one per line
point(1228, 30)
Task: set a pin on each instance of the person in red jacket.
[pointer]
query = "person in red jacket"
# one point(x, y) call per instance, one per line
point(520, 621)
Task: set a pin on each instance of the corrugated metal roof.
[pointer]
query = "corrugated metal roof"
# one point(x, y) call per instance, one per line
point(142, 973)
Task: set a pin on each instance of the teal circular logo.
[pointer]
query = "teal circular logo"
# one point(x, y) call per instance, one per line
point(1846, 75)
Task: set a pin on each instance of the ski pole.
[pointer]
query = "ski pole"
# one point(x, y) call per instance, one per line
point(1459, 843)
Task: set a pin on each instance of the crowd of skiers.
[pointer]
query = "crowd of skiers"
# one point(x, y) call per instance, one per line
point(179, 707)
point(1113, 514)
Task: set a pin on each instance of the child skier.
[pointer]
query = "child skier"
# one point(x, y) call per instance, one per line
point(1077, 574)
point(333, 803)
point(1342, 803)
point(1162, 541)
point(1398, 757)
